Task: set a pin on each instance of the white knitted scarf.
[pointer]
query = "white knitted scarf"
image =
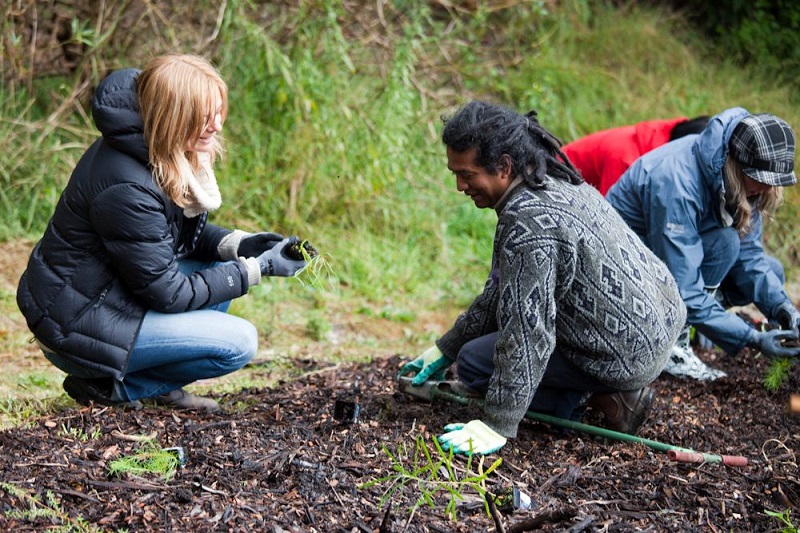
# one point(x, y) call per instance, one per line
point(202, 193)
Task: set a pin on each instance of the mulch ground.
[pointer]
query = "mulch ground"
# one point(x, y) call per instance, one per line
point(278, 460)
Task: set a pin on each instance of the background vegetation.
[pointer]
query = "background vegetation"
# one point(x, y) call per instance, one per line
point(333, 132)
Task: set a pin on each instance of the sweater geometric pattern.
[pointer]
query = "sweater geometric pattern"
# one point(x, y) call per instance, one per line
point(569, 275)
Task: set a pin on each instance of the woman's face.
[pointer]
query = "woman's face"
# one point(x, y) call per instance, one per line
point(754, 188)
point(205, 142)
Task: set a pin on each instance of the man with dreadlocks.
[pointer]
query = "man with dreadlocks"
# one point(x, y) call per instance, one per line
point(576, 309)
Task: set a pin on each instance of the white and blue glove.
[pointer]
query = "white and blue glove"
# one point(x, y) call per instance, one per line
point(474, 437)
point(431, 364)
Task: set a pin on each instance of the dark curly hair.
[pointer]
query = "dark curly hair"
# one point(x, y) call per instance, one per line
point(494, 130)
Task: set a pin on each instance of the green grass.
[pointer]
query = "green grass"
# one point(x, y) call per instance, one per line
point(334, 124)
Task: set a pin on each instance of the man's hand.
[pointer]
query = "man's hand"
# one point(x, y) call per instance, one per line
point(275, 261)
point(788, 317)
point(769, 343)
point(256, 244)
point(431, 364)
point(475, 437)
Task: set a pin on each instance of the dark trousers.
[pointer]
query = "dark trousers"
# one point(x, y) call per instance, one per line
point(562, 392)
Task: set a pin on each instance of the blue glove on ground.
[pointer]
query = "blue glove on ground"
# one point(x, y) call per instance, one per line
point(275, 261)
point(769, 343)
point(788, 317)
point(431, 364)
point(483, 439)
point(256, 244)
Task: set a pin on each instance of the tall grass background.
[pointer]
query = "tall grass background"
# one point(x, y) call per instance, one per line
point(335, 116)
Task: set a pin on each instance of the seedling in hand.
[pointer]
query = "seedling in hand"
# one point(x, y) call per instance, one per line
point(317, 272)
point(298, 250)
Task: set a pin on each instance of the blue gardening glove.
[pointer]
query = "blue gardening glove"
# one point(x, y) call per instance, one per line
point(769, 343)
point(430, 365)
point(276, 261)
point(788, 317)
point(256, 244)
point(483, 439)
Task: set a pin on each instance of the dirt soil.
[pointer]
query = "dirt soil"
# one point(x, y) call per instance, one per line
point(278, 460)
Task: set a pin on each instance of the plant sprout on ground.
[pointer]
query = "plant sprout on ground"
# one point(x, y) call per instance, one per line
point(151, 458)
point(432, 475)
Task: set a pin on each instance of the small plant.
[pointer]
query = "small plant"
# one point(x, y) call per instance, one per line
point(777, 373)
point(433, 475)
point(318, 326)
point(785, 519)
point(31, 508)
point(79, 433)
point(149, 459)
point(318, 272)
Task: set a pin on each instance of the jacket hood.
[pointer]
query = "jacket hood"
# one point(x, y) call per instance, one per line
point(115, 109)
point(711, 147)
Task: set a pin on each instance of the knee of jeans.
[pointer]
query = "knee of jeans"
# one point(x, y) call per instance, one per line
point(244, 350)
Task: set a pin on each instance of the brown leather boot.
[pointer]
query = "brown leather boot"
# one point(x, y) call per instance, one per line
point(624, 411)
point(180, 399)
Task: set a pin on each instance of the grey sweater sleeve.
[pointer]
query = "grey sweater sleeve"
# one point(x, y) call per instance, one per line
point(527, 334)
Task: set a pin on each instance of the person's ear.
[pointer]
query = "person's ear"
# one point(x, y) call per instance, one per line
point(505, 167)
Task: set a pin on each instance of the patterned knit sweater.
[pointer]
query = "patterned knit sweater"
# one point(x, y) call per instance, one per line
point(568, 274)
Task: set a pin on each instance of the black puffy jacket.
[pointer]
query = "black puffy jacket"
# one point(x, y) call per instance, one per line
point(110, 252)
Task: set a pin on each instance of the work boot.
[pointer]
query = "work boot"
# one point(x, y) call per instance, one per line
point(624, 411)
point(86, 391)
point(683, 362)
point(180, 399)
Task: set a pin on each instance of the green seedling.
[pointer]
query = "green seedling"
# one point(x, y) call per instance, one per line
point(150, 459)
point(318, 273)
point(433, 475)
point(79, 434)
point(30, 508)
point(777, 374)
point(785, 519)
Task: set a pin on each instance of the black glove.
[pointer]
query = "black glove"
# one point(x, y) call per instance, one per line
point(277, 262)
point(770, 343)
point(788, 317)
point(257, 243)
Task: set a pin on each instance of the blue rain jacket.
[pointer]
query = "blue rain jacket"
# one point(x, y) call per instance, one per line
point(674, 194)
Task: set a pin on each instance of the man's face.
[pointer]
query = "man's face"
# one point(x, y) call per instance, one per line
point(483, 187)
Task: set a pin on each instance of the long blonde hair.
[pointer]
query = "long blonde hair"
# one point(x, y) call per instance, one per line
point(736, 196)
point(176, 100)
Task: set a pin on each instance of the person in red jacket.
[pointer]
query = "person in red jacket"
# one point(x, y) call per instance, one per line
point(603, 156)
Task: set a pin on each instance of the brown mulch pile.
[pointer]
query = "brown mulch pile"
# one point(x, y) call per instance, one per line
point(278, 460)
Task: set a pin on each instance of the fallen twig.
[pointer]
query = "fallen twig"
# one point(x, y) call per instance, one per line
point(538, 521)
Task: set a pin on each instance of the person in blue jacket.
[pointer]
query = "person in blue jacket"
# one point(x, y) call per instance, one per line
point(127, 289)
point(698, 203)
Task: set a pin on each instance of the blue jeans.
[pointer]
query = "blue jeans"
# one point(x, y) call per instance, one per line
point(175, 349)
point(562, 391)
point(720, 251)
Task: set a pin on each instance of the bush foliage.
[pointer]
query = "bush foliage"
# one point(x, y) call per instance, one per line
point(333, 131)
